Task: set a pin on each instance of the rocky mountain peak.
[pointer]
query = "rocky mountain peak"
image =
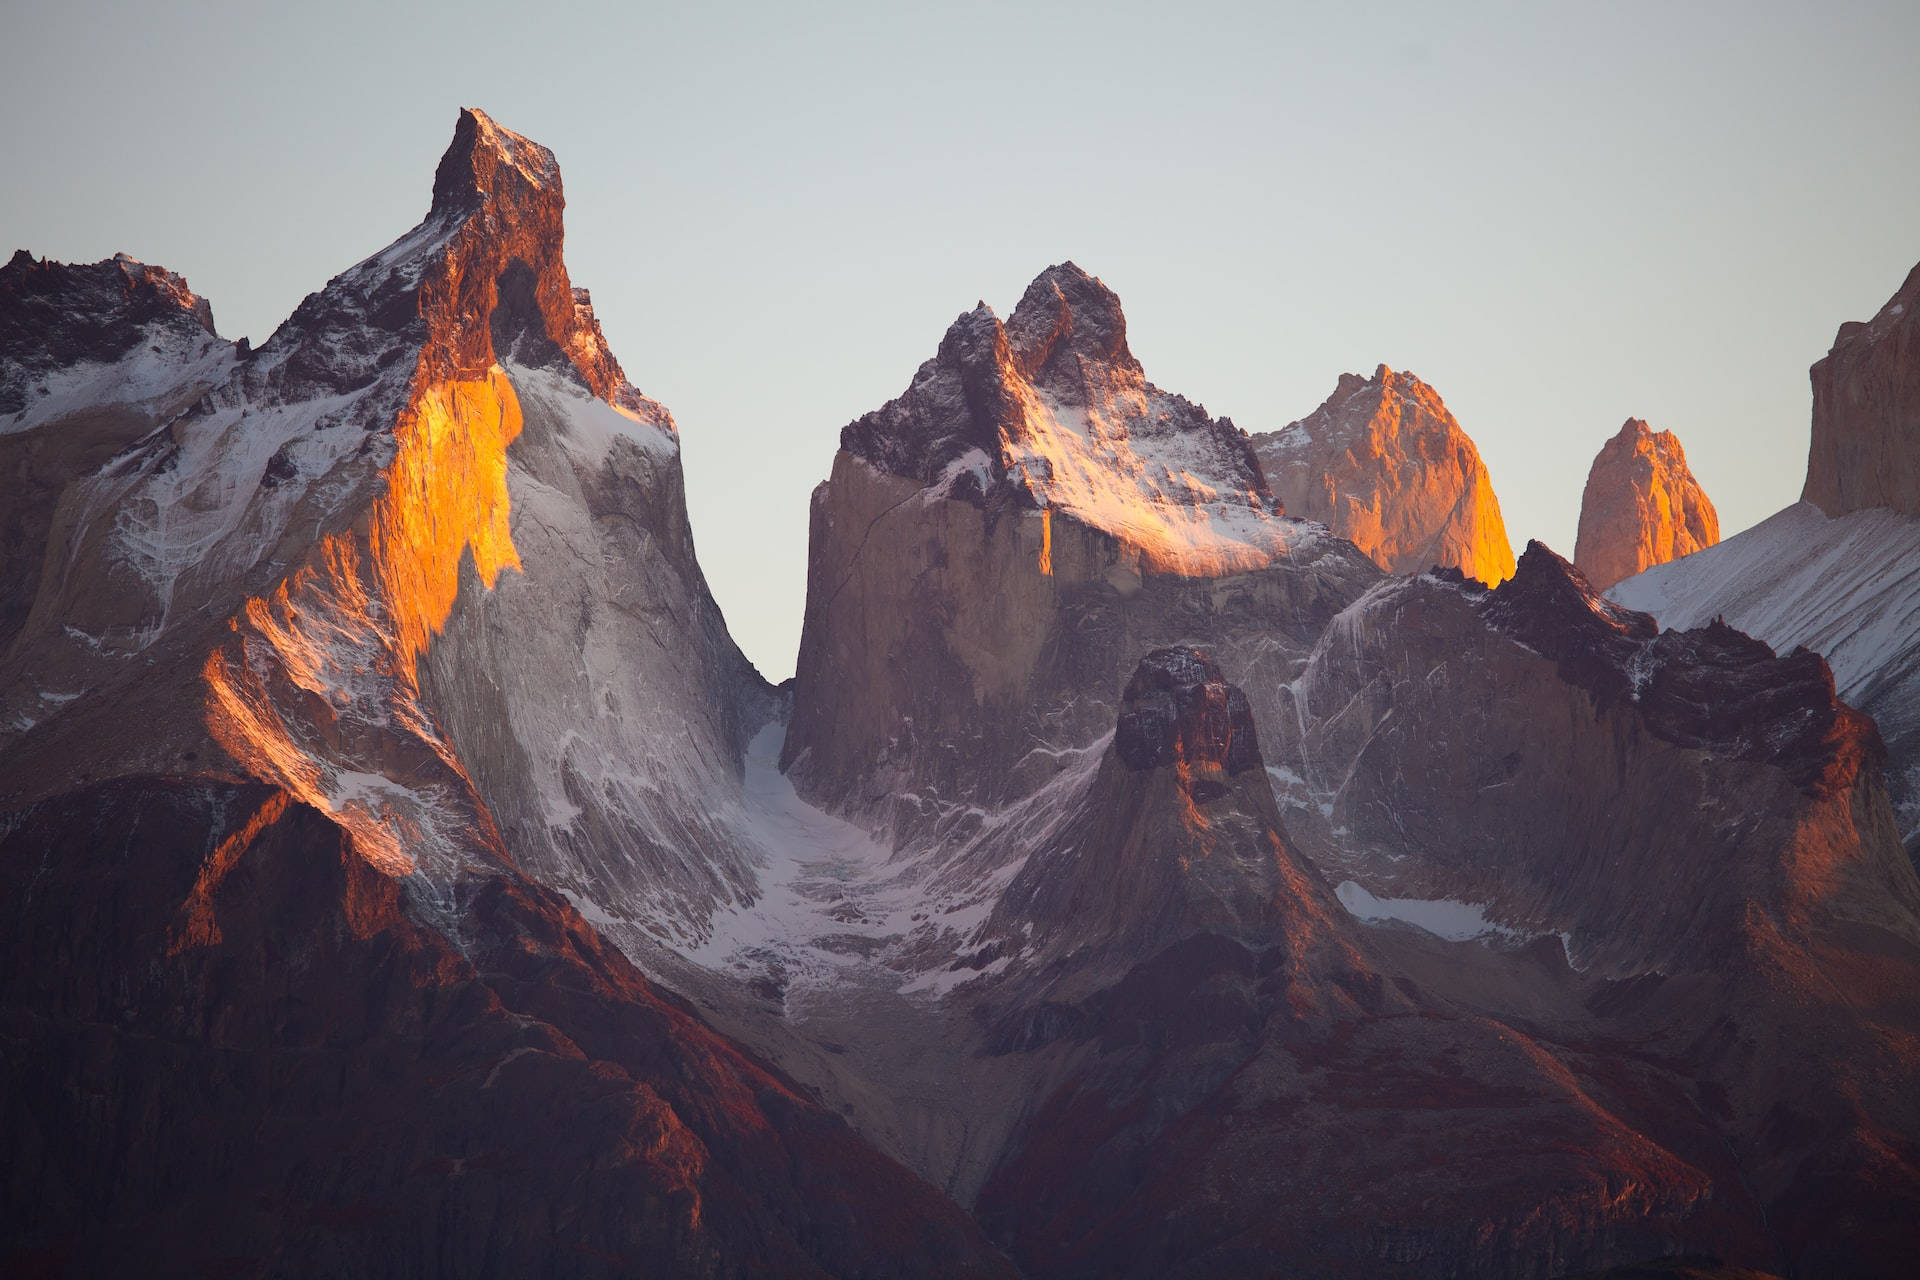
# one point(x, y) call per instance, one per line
point(1178, 710)
point(481, 281)
point(1069, 327)
point(1051, 411)
point(1384, 464)
point(485, 162)
point(56, 315)
point(1865, 450)
point(1642, 507)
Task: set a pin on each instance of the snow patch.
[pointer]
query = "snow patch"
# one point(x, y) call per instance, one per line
point(1447, 918)
point(591, 427)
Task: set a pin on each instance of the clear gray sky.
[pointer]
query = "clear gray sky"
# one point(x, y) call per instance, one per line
point(1559, 215)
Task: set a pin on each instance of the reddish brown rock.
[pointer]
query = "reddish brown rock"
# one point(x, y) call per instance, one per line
point(1642, 507)
point(274, 1060)
point(1866, 413)
point(1384, 464)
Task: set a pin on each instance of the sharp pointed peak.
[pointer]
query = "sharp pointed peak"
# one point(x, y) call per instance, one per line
point(485, 161)
point(1067, 309)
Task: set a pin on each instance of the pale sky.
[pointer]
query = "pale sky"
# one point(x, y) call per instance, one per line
point(1558, 215)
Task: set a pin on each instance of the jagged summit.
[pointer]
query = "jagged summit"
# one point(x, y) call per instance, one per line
point(1384, 464)
point(1051, 410)
point(486, 162)
point(1068, 318)
point(1642, 507)
point(61, 323)
point(481, 280)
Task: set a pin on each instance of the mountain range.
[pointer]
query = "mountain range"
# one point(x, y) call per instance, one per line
point(1179, 852)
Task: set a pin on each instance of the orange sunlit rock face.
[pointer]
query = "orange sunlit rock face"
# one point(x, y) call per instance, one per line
point(317, 688)
point(330, 658)
point(446, 494)
point(1384, 464)
point(1642, 507)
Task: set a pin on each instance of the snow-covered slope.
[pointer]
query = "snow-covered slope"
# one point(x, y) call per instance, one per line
point(1847, 588)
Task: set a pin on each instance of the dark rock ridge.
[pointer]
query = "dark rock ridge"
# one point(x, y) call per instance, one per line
point(1846, 588)
point(1713, 687)
point(1865, 450)
point(1454, 736)
point(1178, 708)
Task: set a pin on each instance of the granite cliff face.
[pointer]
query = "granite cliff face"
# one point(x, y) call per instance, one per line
point(340, 567)
point(1642, 507)
point(1384, 464)
point(1454, 736)
point(1024, 522)
point(1839, 571)
point(1866, 413)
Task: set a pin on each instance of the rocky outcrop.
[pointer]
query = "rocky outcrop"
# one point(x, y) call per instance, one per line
point(1022, 523)
point(1866, 413)
point(1384, 464)
point(1178, 835)
point(1846, 588)
point(1201, 999)
point(1454, 736)
point(1642, 507)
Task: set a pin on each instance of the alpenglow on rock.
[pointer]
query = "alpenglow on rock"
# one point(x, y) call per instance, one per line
point(1642, 507)
point(1384, 464)
point(1866, 413)
point(1023, 522)
point(340, 678)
